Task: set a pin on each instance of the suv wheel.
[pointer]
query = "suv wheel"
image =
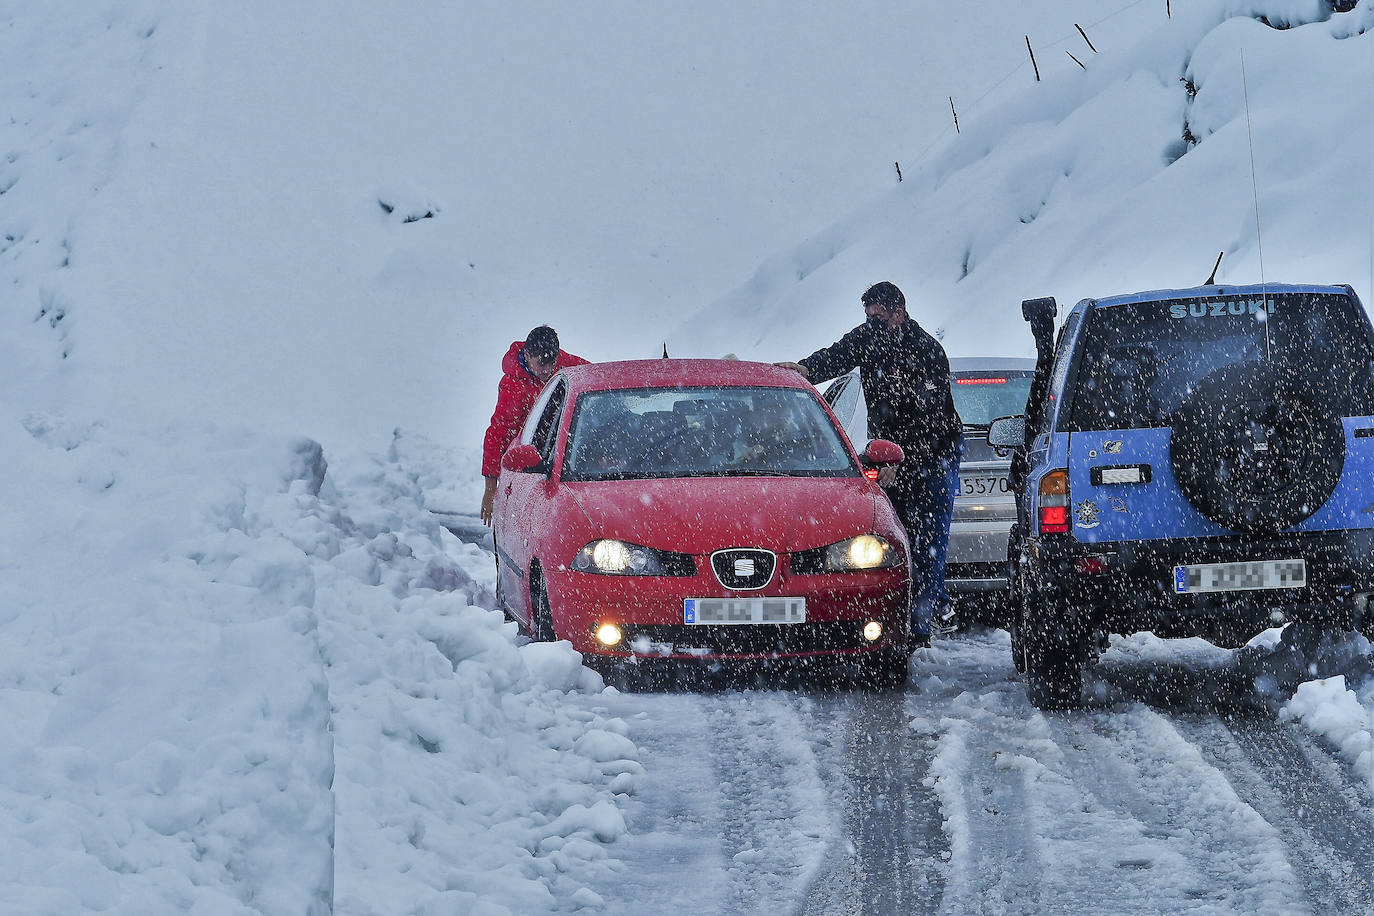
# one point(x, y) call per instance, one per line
point(1053, 664)
point(1253, 451)
point(1018, 645)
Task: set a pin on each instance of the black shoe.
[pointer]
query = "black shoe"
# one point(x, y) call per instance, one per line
point(946, 621)
point(920, 642)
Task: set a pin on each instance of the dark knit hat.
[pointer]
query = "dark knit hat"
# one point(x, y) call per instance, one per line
point(542, 344)
point(885, 295)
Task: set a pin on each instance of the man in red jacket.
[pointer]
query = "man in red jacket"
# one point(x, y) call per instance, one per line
point(527, 366)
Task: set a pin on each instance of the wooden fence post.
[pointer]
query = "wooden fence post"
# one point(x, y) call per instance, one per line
point(1085, 36)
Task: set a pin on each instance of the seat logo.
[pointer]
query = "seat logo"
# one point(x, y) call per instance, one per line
point(744, 567)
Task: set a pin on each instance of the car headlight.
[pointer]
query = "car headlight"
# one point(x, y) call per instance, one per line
point(867, 551)
point(610, 557)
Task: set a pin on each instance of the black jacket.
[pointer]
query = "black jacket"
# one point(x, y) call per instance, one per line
point(905, 376)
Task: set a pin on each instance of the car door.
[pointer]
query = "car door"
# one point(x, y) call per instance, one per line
point(517, 530)
point(845, 397)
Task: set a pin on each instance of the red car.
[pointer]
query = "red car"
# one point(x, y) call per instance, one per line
point(700, 509)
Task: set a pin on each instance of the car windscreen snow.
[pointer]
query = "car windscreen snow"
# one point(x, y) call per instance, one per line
point(1142, 361)
point(703, 432)
point(981, 397)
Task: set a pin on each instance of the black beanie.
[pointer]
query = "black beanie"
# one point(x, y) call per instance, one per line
point(542, 343)
point(885, 295)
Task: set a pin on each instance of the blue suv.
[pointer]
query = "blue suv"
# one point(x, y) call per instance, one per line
point(1196, 462)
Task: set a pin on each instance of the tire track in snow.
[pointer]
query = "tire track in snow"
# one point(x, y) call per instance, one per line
point(968, 698)
point(1150, 826)
point(1309, 797)
point(775, 808)
point(885, 857)
point(730, 816)
point(1107, 811)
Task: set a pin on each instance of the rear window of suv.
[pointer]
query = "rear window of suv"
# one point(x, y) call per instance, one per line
point(1141, 360)
point(981, 397)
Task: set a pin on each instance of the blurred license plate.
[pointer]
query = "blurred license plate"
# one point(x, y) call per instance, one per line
point(974, 486)
point(1235, 577)
point(744, 610)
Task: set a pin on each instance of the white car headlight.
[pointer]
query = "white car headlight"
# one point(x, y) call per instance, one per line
point(866, 551)
point(610, 557)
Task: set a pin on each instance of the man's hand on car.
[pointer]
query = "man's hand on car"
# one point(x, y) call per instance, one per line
point(488, 500)
point(887, 475)
point(796, 367)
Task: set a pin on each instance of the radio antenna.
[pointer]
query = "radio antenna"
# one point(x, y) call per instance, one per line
point(1212, 277)
point(1254, 185)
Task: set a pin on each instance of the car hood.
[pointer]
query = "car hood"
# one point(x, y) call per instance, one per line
point(702, 514)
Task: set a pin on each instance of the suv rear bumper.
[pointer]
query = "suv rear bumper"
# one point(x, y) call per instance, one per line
point(1135, 591)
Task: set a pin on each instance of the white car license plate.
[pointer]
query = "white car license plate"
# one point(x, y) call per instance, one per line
point(981, 485)
point(1235, 577)
point(743, 610)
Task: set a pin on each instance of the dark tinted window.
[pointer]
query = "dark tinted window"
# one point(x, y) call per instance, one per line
point(981, 397)
point(543, 437)
point(703, 432)
point(1141, 361)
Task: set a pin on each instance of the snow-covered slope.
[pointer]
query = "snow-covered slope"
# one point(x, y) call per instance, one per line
point(1131, 174)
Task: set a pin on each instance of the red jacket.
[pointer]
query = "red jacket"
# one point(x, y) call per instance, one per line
point(515, 395)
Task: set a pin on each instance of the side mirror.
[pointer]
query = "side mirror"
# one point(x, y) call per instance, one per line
point(521, 458)
point(880, 451)
point(1007, 432)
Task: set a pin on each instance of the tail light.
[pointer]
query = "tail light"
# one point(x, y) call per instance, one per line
point(871, 473)
point(1053, 505)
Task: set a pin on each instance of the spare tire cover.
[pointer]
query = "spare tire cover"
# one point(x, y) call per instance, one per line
point(1253, 449)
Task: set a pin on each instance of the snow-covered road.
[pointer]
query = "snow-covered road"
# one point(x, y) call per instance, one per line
point(1180, 789)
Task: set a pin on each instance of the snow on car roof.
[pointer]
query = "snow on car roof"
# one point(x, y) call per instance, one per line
point(670, 373)
point(1198, 292)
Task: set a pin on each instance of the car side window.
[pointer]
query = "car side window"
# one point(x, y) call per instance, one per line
point(543, 434)
point(532, 418)
point(1063, 358)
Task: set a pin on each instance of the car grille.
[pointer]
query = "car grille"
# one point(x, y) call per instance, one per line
point(750, 639)
point(743, 568)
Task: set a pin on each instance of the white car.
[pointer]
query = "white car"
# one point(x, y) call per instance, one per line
point(984, 388)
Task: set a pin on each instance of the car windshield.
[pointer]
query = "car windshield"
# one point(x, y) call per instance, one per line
point(1142, 360)
point(981, 397)
point(703, 432)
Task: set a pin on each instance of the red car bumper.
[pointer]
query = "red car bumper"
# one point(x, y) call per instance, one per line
point(649, 610)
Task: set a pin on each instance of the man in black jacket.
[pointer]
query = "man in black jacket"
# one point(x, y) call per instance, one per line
point(905, 377)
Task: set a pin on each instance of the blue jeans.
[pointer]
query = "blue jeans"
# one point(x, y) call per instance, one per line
point(925, 504)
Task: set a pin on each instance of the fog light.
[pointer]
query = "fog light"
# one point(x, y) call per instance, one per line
point(608, 634)
point(1094, 564)
point(872, 630)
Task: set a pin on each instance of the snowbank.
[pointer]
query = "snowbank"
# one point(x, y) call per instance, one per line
point(1341, 715)
point(242, 680)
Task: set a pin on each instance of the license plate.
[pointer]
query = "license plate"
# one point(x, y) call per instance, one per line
point(1236, 577)
point(972, 487)
point(743, 610)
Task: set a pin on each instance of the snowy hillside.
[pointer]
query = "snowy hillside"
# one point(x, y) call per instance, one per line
point(261, 260)
point(1131, 174)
